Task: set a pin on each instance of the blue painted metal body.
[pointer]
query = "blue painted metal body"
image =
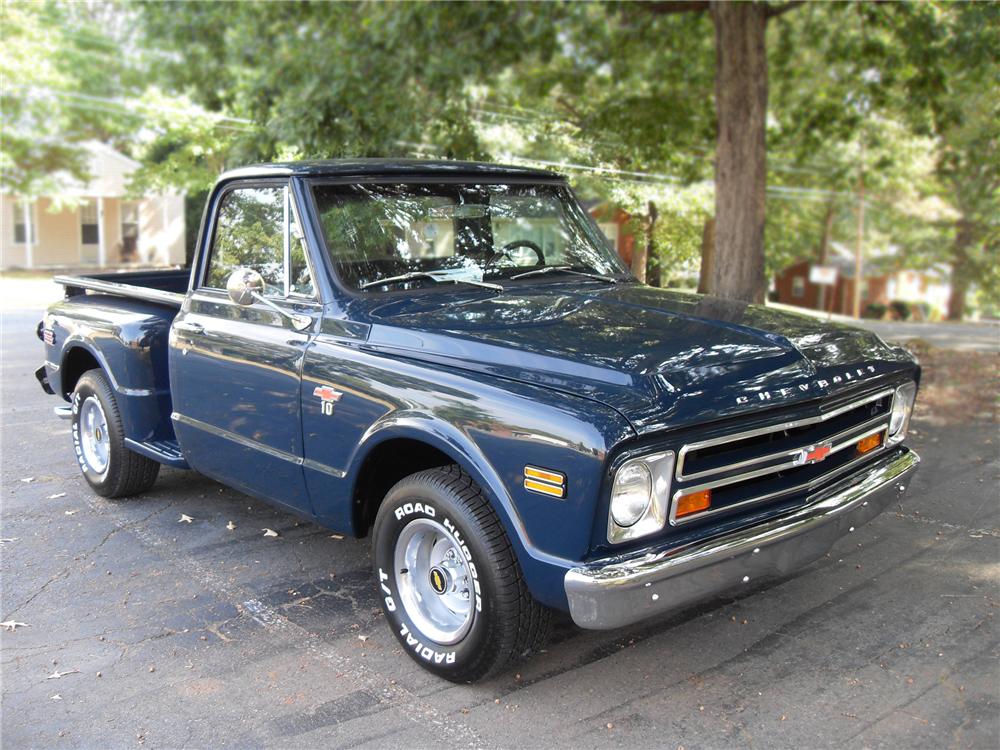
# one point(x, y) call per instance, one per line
point(569, 375)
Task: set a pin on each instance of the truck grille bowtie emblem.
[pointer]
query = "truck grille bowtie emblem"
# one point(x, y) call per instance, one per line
point(328, 397)
point(815, 454)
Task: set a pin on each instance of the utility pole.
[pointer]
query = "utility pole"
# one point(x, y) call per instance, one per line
point(859, 243)
point(858, 264)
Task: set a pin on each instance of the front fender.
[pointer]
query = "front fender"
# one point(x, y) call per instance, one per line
point(543, 571)
point(490, 427)
point(451, 441)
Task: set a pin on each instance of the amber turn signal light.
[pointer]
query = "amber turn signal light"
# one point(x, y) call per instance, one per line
point(869, 443)
point(693, 503)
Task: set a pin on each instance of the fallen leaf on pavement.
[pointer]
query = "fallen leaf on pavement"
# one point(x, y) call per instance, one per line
point(56, 496)
point(57, 674)
point(184, 518)
point(269, 532)
point(11, 625)
point(230, 525)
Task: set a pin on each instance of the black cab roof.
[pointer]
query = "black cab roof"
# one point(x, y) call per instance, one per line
point(389, 168)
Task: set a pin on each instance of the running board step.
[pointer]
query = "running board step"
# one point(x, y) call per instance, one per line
point(165, 451)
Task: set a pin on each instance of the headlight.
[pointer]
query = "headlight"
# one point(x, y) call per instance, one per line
point(632, 493)
point(639, 497)
point(902, 408)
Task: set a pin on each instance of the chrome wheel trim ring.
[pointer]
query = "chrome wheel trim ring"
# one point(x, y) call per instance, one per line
point(434, 581)
point(95, 444)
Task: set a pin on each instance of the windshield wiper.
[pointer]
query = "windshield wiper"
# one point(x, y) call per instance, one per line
point(428, 275)
point(564, 269)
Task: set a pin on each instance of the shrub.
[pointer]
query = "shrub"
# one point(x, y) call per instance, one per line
point(874, 310)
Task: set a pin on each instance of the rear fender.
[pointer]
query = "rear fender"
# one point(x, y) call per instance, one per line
point(128, 341)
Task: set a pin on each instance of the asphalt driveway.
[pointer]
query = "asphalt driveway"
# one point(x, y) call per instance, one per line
point(144, 630)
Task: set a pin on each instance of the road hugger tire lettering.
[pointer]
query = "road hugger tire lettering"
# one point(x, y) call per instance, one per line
point(449, 582)
point(111, 469)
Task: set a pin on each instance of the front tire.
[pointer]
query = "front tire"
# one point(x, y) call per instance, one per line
point(111, 469)
point(449, 582)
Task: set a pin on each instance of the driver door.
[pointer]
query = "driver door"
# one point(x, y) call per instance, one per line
point(235, 371)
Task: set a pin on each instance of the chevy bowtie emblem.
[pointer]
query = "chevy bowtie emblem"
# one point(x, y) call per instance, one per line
point(328, 397)
point(816, 454)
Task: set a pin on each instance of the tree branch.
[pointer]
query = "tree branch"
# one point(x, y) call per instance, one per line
point(664, 7)
point(773, 11)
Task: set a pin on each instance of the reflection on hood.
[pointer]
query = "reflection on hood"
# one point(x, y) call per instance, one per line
point(659, 357)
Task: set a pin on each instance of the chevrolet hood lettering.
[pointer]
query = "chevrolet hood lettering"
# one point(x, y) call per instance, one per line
point(816, 387)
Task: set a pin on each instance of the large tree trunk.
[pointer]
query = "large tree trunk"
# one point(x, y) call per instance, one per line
point(741, 150)
point(960, 272)
point(705, 274)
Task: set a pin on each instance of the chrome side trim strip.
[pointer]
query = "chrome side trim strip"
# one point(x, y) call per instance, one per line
point(805, 421)
point(307, 463)
point(211, 429)
point(173, 299)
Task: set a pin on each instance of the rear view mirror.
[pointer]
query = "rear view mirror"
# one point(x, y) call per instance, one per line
point(244, 286)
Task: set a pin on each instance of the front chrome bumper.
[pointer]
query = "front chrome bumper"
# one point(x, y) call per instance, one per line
point(624, 590)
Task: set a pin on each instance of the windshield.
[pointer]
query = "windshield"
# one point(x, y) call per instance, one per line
point(468, 232)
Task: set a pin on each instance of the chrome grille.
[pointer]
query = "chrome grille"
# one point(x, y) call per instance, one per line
point(752, 466)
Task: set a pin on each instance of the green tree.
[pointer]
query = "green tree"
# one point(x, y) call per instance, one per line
point(344, 79)
point(61, 67)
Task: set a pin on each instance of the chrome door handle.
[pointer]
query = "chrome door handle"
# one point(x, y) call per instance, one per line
point(185, 327)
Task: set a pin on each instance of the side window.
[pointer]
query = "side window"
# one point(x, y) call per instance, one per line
point(250, 233)
point(300, 280)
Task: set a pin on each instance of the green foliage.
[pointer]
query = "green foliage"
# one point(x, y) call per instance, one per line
point(193, 88)
point(59, 67)
point(343, 79)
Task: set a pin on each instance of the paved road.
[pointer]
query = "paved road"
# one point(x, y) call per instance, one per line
point(143, 631)
point(968, 337)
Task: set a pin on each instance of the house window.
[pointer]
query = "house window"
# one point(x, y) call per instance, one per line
point(799, 286)
point(610, 230)
point(23, 211)
point(130, 230)
point(89, 234)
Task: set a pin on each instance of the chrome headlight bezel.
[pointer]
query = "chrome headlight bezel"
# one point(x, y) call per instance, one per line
point(660, 469)
point(903, 399)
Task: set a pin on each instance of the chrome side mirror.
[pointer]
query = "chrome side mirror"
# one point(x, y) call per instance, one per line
point(245, 286)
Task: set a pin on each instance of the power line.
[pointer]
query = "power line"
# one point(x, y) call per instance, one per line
point(127, 105)
point(778, 165)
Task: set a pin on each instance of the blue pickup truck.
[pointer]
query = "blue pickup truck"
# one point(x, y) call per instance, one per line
point(449, 357)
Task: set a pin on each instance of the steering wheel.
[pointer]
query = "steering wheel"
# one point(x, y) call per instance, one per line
point(504, 252)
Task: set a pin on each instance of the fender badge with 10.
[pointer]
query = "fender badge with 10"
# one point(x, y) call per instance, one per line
point(328, 397)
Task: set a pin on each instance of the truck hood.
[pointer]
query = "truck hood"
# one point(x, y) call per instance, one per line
point(663, 359)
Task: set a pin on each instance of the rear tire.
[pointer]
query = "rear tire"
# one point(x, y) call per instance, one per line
point(111, 469)
point(436, 540)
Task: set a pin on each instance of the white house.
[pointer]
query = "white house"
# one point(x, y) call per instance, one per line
point(94, 223)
